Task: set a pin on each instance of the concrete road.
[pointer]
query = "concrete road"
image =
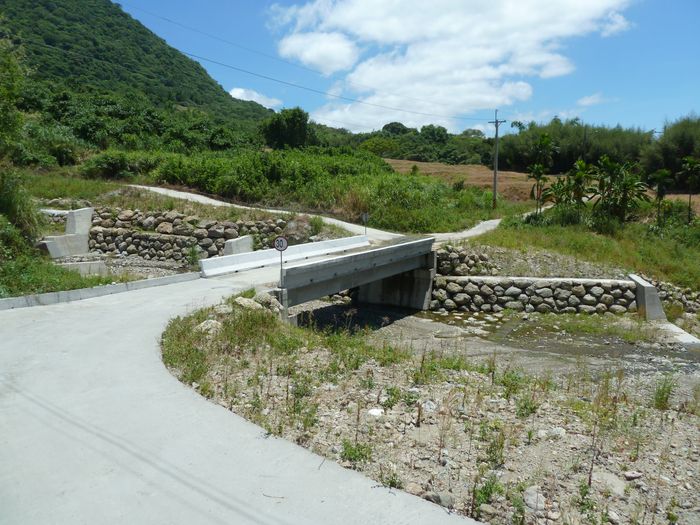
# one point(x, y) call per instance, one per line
point(95, 430)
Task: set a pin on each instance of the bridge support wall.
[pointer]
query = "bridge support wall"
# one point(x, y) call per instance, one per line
point(411, 289)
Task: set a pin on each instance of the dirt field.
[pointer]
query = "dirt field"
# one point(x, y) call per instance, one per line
point(513, 185)
point(684, 199)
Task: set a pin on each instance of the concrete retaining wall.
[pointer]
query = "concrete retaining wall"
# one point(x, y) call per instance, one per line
point(493, 294)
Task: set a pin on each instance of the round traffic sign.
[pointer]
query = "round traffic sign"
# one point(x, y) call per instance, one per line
point(281, 244)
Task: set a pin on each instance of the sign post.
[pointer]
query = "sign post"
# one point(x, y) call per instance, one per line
point(281, 244)
point(365, 218)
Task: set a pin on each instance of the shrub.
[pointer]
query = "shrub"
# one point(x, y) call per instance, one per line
point(107, 165)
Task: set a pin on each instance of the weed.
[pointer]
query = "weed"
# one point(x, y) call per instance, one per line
point(662, 392)
point(394, 395)
point(584, 501)
point(428, 369)
point(525, 407)
point(355, 452)
point(485, 492)
point(495, 449)
point(512, 381)
point(391, 480)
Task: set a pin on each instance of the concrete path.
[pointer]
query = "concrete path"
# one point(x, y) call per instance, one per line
point(94, 429)
point(356, 229)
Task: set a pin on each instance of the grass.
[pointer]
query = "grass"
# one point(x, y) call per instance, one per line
point(34, 274)
point(632, 248)
point(65, 183)
point(629, 329)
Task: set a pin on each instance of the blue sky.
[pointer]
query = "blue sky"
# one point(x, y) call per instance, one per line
point(632, 62)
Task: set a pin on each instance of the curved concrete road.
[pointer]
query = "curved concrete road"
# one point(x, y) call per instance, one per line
point(373, 234)
point(94, 429)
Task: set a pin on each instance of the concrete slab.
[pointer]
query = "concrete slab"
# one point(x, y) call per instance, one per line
point(87, 267)
point(66, 245)
point(96, 430)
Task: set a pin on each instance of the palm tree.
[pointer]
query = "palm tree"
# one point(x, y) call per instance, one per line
point(691, 170)
point(579, 180)
point(537, 191)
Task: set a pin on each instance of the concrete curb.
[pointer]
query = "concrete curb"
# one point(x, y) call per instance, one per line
point(44, 299)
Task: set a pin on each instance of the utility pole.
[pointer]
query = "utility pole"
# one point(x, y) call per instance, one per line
point(497, 123)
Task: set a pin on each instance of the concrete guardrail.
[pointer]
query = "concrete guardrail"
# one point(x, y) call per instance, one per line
point(261, 258)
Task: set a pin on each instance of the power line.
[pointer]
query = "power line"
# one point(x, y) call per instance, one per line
point(267, 55)
point(325, 93)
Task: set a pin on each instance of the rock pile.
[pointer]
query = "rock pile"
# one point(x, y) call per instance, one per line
point(493, 294)
point(687, 298)
point(452, 260)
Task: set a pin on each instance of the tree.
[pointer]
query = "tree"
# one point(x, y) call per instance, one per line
point(288, 128)
point(619, 189)
point(434, 134)
point(660, 181)
point(395, 128)
point(691, 172)
point(381, 146)
point(11, 82)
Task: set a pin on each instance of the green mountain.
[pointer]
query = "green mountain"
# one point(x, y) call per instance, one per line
point(92, 45)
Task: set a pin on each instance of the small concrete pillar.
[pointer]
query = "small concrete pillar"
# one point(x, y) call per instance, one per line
point(240, 245)
point(648, 303)
point(79, 221)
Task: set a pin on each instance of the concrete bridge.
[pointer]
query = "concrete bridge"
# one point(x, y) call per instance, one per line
point(400, 274)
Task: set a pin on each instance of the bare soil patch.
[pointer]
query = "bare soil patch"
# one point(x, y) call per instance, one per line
point(513, 185)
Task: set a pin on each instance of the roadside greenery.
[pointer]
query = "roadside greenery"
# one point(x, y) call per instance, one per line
point(24, 271)
point(672, 254)
point(339, 181)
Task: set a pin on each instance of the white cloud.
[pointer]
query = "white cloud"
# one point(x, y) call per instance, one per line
point(616, 23)
point(443, 58)
point(326, 52)
point(591, 100)
point(251, 94)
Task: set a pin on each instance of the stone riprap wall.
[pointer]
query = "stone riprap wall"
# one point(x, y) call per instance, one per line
point(461, 261)
point(493, 294)
point(669, 293)
point(170, 235)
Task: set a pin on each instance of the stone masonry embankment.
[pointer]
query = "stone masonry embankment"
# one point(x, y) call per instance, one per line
point(170, 235)
point(493, 294)
point(453, 261)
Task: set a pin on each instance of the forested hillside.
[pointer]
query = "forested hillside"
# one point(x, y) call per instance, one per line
point(92, 45)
